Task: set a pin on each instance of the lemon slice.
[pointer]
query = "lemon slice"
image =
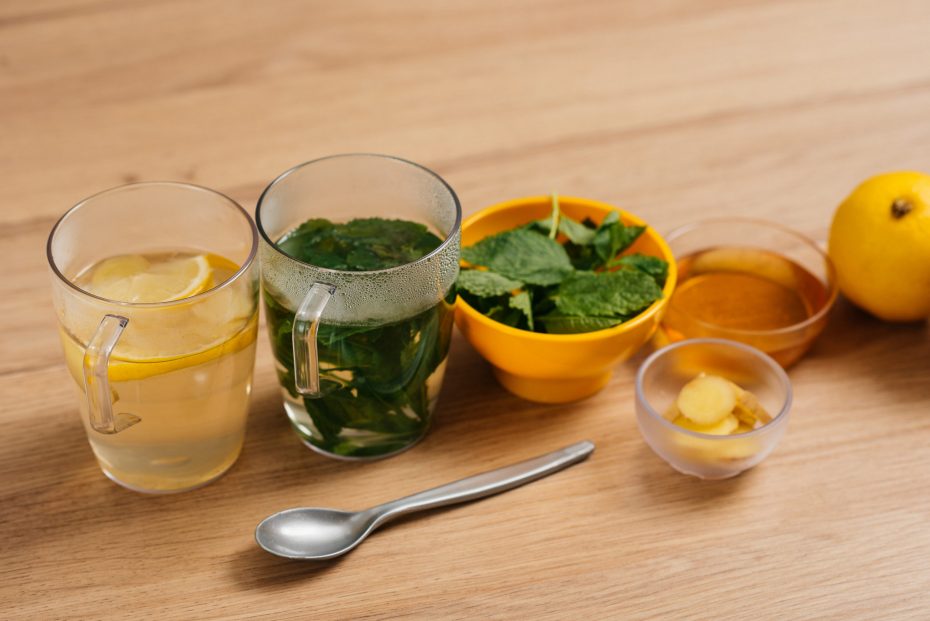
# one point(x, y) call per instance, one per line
point(122, 370)
point(125, 370)
point(181, 335)
point(133, 278)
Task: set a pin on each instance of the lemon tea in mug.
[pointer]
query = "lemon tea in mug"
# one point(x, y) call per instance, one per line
point(156, 297)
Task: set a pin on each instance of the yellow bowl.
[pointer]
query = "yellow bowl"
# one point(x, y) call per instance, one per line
point(558, 368)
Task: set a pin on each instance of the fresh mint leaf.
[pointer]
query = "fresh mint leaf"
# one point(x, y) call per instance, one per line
point(606, 294)
point(576, 232)
point(609, 220)
point(486, 284)
point(654, 266)
point(583, 257)
point(523, 255)
point(568, 324)
point(484, 305)
point(522, 302)
point(591, 250)
point(508, 316)
point(555, 297)
point(613, 237)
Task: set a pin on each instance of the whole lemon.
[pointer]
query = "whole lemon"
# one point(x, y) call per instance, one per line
point(880, 246)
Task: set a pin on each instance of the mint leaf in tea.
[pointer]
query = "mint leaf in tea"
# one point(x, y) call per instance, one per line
point(362, 244)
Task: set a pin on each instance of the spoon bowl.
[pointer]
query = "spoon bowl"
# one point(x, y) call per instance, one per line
point(314, 533)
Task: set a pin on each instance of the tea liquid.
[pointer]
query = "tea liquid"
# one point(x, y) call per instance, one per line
point(379, 381)
point(192, 404)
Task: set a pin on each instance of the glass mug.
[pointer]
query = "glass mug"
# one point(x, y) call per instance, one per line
point(360, 355)
point(163, 386)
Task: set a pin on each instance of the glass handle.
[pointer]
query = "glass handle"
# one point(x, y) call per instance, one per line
point(96, 381)
point(306, 326)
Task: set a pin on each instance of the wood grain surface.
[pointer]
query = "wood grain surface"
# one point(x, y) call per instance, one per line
point(674, 110)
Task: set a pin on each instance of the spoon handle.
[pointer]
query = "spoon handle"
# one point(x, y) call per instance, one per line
point(485, 484)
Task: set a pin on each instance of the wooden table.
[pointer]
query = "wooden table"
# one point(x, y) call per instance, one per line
point(674, 110)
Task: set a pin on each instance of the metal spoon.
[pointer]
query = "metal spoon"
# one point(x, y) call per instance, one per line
point(319, 534)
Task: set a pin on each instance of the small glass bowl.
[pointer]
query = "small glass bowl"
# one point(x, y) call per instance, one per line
point(661, 377)
point(732, 242)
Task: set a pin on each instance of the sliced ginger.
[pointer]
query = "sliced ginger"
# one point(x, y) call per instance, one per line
point(707, 399)
point(750, 406)
point(725, 426)
point(716, 406)
point(742, 428)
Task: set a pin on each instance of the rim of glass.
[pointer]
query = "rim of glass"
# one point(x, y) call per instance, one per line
point(253, 250)
point(456, 226)
point(773, 366)
point(832, 285)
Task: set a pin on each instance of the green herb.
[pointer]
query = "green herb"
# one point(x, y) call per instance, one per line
point(378, 381)
point(576, 232)
point(529, 281)
point(522, 303)
point(654, 266)
point(485, 284)
point(601, 243)
point(363, 244)
point(563, 324)
point(612, 237)
point(606, 294)
point(522, 255)
point(556, 213)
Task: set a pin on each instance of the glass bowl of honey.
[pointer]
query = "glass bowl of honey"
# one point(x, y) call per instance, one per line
point(750, 390)
point(751, 281)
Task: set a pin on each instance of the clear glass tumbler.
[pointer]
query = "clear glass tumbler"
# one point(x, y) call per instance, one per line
point(163, 386)
point(360, 354)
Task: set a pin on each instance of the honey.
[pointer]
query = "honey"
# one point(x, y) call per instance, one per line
point(747, 294)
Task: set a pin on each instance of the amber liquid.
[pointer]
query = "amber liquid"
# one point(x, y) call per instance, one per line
point(751, 295)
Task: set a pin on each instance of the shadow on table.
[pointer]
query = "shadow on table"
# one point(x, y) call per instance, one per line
point(887, 355)
point(663, 485)
point(254, 568)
